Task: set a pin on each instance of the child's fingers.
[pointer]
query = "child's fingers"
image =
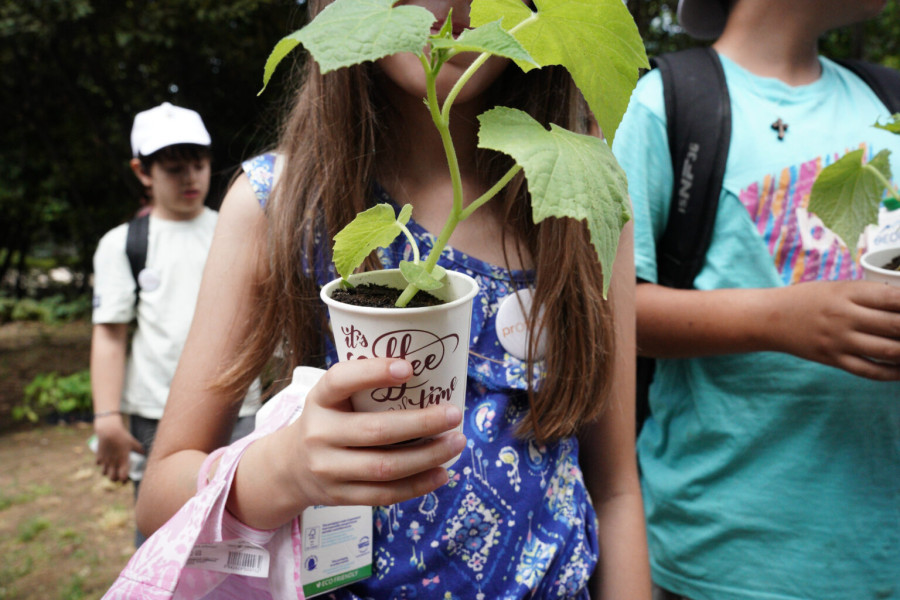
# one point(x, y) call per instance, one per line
point(378, 428)
point(397, 426)
point(344, 378)
point(388, 464)
point(365, 493)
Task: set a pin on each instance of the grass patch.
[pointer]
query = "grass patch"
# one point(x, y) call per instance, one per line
point(73, 589)
point(10, 572)
point(114, 517)
point(70, 536)
point(61, 536)
point(32, 528)
point(8, 500)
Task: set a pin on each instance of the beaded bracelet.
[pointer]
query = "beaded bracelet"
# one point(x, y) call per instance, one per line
point(107, 413)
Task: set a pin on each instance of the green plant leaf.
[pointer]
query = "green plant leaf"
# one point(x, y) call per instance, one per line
point(487, 38)
point(597, 41)
point(405, 213)
point(349, 32)
point(893, 125)
point(846, 194)
point(373, 228)
point(416, 274)
point(569, 175)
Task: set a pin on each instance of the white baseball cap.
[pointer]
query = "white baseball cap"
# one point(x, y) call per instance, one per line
point(702, 19)
point(166, 125)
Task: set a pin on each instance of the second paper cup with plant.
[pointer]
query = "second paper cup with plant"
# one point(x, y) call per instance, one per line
point(569, 175)
point(851, 194)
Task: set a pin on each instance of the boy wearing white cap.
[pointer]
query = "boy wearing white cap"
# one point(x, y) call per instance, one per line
point(171, 158)
point(771, 463)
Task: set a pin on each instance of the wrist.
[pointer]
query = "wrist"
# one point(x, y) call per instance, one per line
point(773, 314)
point(264, 493)
point(107, 413)
point(108, 424)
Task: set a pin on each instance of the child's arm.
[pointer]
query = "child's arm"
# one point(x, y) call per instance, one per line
point(834, 323)
point(608, 456)
point(317, 458)
point(198, 419)
point(109, 348)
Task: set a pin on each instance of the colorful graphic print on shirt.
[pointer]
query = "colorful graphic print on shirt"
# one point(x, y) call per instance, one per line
point(802, 247)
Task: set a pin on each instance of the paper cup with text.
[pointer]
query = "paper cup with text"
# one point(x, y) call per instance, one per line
point(433, 339)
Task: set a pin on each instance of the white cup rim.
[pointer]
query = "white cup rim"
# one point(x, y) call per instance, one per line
point(327, 289)
point(872, 259)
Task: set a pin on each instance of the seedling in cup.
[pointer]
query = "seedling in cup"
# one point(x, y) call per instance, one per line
point(847, 193)
point(568, 174)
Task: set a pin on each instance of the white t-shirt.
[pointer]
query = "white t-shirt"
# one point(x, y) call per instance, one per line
point(170, 283)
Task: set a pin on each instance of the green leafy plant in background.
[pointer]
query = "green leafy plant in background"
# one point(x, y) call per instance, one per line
point(50, 393)
point(847, 193)
point(50, 310)
point(568, 174)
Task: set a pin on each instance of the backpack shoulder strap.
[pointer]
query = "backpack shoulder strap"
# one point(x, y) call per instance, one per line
point(136, 248)
point(884, 81)
point(698, 119)
point(698, 116)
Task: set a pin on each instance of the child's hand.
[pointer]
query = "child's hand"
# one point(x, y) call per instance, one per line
point(852, 325)
point(114, 443)
point(334, 456)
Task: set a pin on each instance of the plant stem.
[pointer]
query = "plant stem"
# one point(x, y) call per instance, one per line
point(880, 177)
point(412, 241)
point(460, 83)
point(441, 117)
point(495, 189)
point(441, 120)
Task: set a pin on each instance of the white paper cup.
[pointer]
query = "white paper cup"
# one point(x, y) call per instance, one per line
point(434, 339)
point(873, 270)
point(873, 265)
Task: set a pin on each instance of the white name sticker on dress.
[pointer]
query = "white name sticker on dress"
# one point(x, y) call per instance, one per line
point(337, 547)
point(236, 557)
point(512, 325)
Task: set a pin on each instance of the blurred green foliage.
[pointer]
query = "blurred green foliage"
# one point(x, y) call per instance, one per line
point(52, 394)
point(73, 73)
point(51, 309)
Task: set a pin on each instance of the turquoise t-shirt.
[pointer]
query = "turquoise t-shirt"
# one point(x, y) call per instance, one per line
point(764, 475)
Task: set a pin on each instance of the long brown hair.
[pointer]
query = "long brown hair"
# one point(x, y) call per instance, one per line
point(329, 141)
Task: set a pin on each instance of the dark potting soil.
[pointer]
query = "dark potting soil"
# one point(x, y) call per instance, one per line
point(894, 265)
point(381, 296)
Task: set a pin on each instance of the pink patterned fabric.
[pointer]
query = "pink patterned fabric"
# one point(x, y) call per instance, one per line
point(157, 570)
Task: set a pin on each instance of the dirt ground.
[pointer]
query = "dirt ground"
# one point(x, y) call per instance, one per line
point(65, 531)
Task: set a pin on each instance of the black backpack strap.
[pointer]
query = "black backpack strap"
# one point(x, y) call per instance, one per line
point(698, 118)
point(698, 114)
point(136, 249)
point(884, 81)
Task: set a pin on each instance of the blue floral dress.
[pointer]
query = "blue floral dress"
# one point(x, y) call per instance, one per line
point(515, 520)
